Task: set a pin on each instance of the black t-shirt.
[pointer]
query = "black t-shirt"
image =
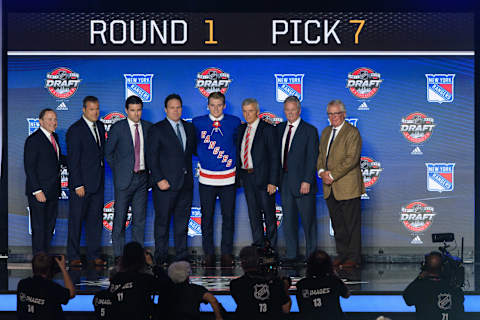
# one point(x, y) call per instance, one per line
point(186, 300)
point(103, 302)
point(319, 297)
point(434, 299)
point(132, 294)
point(257, 298)
point(40, 298)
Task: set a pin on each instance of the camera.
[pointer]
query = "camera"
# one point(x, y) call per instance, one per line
point(268, 260)
point(54, 267)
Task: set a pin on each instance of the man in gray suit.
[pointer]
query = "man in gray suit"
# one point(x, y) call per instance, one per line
point(125, 153)
point(298, 183)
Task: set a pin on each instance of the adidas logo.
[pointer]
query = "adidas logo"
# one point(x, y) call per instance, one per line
point(417, 240)
point(365, 197)
point(416, 151)
point(363, 106)
point(62, 106)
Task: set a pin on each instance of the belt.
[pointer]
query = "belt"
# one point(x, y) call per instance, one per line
point(139, 172)
point(248, 170)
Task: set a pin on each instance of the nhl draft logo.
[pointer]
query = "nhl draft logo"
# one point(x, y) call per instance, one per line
point(440, 176)
point(195, 222)
point(212, 80)
point(444, 301)
point(33, 125)
point(352, 121)
point(261, 291)
point(64, 183)
point(417, 216)
point(417, 128)
point(139, 85)
point(363, 82)
point(289, 85)
point(62, 83)
point(370, 171)
point(109, 119)
point(440, 87)
point(270, 118)
point(108, 213)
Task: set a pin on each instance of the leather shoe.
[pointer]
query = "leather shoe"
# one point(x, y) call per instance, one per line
point(100, 262)
point(227, 261)
point(76, 263)
point(289, 262)
point(209, 261)
point(350, 264)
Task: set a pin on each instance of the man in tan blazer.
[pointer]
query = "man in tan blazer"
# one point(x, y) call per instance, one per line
point(338, 166)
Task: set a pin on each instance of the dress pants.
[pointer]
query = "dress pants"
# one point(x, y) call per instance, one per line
point(43, 216)
point(346, 222)
point(136, 194)
point(292, 205)
point(261, 207)
point(166, 203)
point(208, 197)
point(89, 208)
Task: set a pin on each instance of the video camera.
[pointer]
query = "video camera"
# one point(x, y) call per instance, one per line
point(452, 266)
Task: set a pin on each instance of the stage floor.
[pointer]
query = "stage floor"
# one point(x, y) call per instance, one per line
point(372, 277)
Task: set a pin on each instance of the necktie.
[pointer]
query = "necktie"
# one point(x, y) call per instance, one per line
point(97, 138)
point(286, 147)
point(136, 167)
point(52, 139)
point(179, 135)
point(245, 149)
point(329, 147)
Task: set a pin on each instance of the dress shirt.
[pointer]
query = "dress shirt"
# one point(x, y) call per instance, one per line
point(131, 125)
point(292, 134)
point(337, 131)
point(254, 126)
point(182, 131)
point(90, 126)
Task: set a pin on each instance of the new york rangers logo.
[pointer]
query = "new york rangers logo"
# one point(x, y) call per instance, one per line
point(289, 85)
point(33, 125)
point(440, 87)
point(139, 85)
point(440, 176)
point(195, 222)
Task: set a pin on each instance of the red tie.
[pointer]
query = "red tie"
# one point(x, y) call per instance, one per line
point(245, 150)
point(53, 143)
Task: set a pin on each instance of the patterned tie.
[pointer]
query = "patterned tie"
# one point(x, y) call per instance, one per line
point(136, 167)
point(97, 138)
point(245, 149)
point(286, 147)
point(53, 143)
point(329, 147)
point(179, 135)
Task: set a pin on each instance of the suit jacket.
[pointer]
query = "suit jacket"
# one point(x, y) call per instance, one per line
point(166, 158)
point(343, 162)
point(85, 157)
point(302, 156)
point(120, 152)
point(265, 153)
point(42, 167)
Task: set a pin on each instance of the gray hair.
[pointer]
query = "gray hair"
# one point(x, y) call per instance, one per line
point(179, 271)
point(337, 102)
point(252, 101)
point(293, 99)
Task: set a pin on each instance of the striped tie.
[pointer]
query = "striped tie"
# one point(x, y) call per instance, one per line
point(245, 149)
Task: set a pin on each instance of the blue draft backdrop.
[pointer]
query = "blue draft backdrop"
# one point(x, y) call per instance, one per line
point(399, 210)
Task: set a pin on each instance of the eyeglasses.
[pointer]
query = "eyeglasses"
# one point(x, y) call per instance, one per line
point(331, 114)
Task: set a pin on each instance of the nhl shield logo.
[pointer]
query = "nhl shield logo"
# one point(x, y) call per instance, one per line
point(289, 85)
point(440, 176)
point(440, 87)
point(139, 85)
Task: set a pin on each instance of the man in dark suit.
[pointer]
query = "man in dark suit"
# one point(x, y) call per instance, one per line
point(169, 157)
point(42, 159)
point(299, 153)
point(125, 153)
point(339, 167)
point(85, 148)
point(258, 163)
